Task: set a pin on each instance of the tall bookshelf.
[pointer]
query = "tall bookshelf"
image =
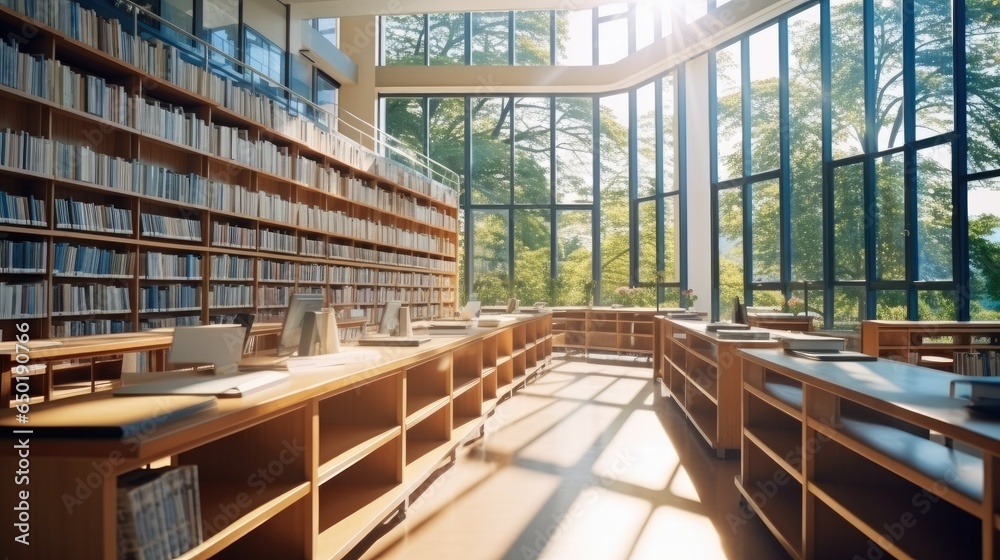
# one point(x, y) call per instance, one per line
point(139, 190)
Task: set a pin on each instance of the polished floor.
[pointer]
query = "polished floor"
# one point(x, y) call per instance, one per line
point(589, 461)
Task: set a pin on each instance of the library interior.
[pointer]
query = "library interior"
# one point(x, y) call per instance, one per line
point(560, 279)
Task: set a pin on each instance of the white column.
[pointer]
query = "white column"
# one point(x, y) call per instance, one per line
point(699, 218)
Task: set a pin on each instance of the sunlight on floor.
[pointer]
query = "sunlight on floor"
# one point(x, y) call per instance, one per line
point(599, 524)
point(491, 516)
point(565, 444)
point(686, 535)
point(509, 431)
point(640, 453)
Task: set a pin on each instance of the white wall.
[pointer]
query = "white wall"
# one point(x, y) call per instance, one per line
point(699, 230)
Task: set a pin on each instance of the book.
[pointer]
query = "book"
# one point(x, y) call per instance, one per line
point(157, 510)
point(982, 389)
point(737, 334)
point(393, 341)
point(227, 386)
point(832, 355)
point(802, 341)
point(715, 327)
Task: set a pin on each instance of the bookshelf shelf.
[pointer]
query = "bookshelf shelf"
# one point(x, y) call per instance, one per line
point(930, 344)
point(171, 184)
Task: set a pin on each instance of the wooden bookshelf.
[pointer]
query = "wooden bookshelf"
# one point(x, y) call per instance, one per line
point(701, 373)
point(838, 460)
point(304, 469)
point(620, 331)
point(928, 343)
point(215, 199)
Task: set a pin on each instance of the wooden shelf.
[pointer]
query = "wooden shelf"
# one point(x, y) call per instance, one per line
point(853, 436)
point(343, 446)
point(928, 343)
point(782, 521)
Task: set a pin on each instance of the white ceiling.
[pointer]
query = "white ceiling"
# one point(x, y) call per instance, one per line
point(345, 8)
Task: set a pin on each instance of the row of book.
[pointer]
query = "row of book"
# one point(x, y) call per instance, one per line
point(158, 513)
point(88, 216)
point(275, 271)
point(91, 327)
point(273, 296)
point(985, 363)
point(312, 273)
point(23, 256)
point(312, 247)
point(273, 207)
point(22, 210)
point(387, 277)
point(415, 295)
point(167, 227)
point(233, 198)
point(170, 297)
point(231, 267)
point(230, 295)
point(233, 236)
point(22, 301)
point(348, 252)
point(79, 299)
point(277, 241)
point(166, 62)
point(84, 261)
point(167, 266)
point(164, 322)
point(21, 150)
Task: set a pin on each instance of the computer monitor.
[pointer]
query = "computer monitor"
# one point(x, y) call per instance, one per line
point(291, 328)
point(390, 318)
point(218, 345)
point(739, 311)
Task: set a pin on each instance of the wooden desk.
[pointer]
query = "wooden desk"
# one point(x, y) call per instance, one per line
point(304, 469)
point(78, 347)
point(838, 460)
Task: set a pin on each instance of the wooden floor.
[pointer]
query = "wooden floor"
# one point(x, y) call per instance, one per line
point(587, 462)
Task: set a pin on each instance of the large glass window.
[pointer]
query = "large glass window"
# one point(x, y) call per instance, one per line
point(847, 95)
point(765, 232)
point(934, 214)
point(984, 249)
point(729, 112)
point(532, 43)
point(532, 280)
point(265, 57)
point(574, 284)
point(490, 38)
point(849, 223)
point(646, 136)
point(890, 230)
point(935, 71)
point(446, 38)
point(765, 118)
point(491, 156)
point(614, 217)
point(220, 27)
point(730, 244)
point(574, 149)
point(532, 150)
point(404, 40)
point(490, 256)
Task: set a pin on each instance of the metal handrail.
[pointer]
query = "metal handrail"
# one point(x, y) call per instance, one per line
point(383, 141)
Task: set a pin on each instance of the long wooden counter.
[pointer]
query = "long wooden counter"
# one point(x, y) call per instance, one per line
point(867, 460)
point(304, 469)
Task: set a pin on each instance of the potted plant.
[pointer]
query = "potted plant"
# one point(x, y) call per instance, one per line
point(691, 297)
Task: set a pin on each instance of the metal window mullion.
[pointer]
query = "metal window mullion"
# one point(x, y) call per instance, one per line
point(658, 188)
point(747, 153)
point(713, 170)
point(552, 39)
point(785, 181)
point(633, 187)
point(959, 175)
point(467, 54)
point(510, 193)
point(870, 148)
point(553, 238)
point(467, 159)
point(427, 40)
point(827, 156)
point(595, 220)
point(510, 38)
point(911, 255)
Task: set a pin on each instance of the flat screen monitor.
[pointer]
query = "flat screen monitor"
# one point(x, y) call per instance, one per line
point(390, 318)
point(218, 345)
point(739, 311)
point(291, 328)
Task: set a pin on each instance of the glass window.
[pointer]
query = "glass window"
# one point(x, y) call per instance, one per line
point(220, 24)
point(647, 241)
point(668, 110)
point(765, 228)
point(890, 238)
point(847, 97)
point(404, 121)
point(671, 239)
point(729, 112)
point(491, 171)
point(181, 14)
point(446, 120)
point(730, 248)
point(574, 282)
point(890, 305)
point(768, 298)
point(265, 57)
point(935, 72)
point(490, 39)
point(325, 95)
point(889, 56)
point(934, 214)
point(645, 25)
point(984, 249)
point(695, 10)
point(849, 222)
point(666, 18)
point(805, 128)
point(614, 214)
point(574, 149)
point(404, 41)
point(982, 98)
point(532, 38)
point(850, 307)
point(491, 278)
point(532, 150)
point(612, 36)
point(532, 247)
point(446, 38)
point(765, 111)
point(575, 38)
point(646, 136)
point(934, 305)
point(327, 27)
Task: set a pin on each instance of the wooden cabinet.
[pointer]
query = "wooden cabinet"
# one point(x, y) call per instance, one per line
point(305, 469)
point(702, 375)
point(140, 189)
point(838, 461)
point(928, 343)
point(603, 329)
